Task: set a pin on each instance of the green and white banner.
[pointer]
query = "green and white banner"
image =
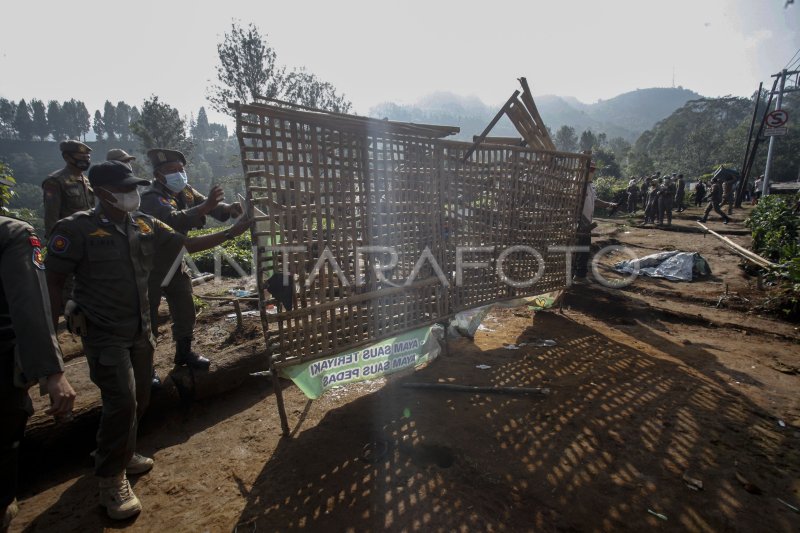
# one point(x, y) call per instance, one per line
point(408, 350)
point(385, 357)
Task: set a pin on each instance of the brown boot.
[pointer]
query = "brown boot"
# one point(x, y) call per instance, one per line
point(117, 496)
point(11, 511)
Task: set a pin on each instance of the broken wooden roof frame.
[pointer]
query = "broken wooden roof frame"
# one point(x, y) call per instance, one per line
point(335, 182)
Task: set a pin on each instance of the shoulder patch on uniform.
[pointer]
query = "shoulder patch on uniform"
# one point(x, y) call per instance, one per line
point(144, 227)
point(35, 242)
point(163, 226)
point(37, 258)
point(58, 244)
point(99, 232)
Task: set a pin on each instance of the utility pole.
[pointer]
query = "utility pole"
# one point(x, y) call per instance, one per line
point(767, 171)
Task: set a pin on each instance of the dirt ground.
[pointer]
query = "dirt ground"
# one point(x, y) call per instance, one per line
point(669, 408)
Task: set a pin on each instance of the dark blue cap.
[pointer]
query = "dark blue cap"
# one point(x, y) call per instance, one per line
point(113, 173)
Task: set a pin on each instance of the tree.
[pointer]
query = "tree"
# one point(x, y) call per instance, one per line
point(23, 122)
point(566, 140)
point(8, 111)
point(218, 131)
point(606, 163)
point(39, 117)
point(588, 140)
point(620, 148)
point(201, 129)
point(135, 116)
point(306, 89)
point(82, 119)
point(110, 120)
point(696, 138)
point(6, 194)
point(123, 121)
point(98, 126)
point(160, 125)
point(247, 69)
point(68, 115)
point(54, 121)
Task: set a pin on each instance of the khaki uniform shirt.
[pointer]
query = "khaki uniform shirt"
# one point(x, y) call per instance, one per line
point(716, 192)
point(111, 266)
point(24, 302)
point(65, 194)
point(180, 211)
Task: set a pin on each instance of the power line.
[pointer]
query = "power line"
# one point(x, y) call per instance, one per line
point(792, 59)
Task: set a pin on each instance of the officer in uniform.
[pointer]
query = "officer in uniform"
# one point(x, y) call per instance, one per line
point(666, 195)
point(67, 191)
point(111, 250)
point(715, 199)
point(680, 192)
point(29, 350)
point(172, 200)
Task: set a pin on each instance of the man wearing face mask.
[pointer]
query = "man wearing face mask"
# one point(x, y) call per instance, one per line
point(67, 191)
point(111, 251)
point(172, 200)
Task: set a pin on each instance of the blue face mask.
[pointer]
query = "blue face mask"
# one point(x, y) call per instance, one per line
point(176, 181)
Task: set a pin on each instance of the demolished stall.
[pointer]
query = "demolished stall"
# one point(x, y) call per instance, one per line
point(371, 231)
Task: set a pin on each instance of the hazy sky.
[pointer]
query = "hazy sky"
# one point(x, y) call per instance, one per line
point(374, 50)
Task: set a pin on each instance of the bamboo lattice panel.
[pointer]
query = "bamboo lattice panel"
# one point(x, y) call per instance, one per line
point(333, 184)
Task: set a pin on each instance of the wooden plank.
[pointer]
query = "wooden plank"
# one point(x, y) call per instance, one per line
point(491, 125)
point(527, 99)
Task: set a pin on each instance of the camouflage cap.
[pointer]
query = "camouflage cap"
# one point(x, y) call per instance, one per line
point(118, 154)
point(159, 156)
point(74, 147)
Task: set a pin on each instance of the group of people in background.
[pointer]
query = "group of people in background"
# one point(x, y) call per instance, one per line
point(111, 253)
point(658, 196)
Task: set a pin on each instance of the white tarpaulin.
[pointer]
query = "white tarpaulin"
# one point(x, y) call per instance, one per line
point(674, 265)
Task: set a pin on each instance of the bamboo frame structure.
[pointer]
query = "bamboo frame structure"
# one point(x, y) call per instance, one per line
point(334, 185)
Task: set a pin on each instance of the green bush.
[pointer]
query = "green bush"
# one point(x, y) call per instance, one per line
point(609, 188)
point(774, 224)
point(239, 249)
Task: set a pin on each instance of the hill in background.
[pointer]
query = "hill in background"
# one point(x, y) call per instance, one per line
point(627, 115)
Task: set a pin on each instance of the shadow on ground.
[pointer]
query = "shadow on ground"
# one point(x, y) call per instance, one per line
point(616, 445)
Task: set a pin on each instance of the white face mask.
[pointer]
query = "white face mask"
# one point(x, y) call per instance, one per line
point(126, 201)
point(176, 181)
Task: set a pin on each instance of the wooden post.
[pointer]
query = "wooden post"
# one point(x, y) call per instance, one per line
point(743, 181)
point(238, 308)
point(491, 125)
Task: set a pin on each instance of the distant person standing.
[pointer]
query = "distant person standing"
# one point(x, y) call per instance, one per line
point(651, 209)
point(680, 193)
point(715, 199)
point(67, 191)
point(643, 190)
point(699, 193)
point(757, 189)
point(727, 191)
point(585, 225)
point(665, 196)
point(633, 195)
